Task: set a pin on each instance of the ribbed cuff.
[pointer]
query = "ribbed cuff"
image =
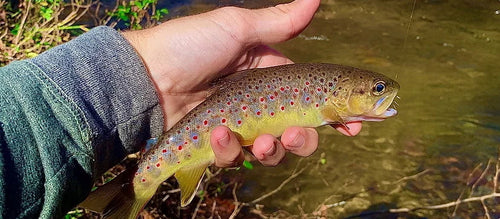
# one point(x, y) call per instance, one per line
point(103, 75)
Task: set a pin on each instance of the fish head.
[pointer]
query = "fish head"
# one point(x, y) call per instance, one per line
point(368, 97)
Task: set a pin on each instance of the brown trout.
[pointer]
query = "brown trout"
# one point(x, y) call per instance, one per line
point(251, 103)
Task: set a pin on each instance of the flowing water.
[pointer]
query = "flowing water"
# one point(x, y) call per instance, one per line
point(445, 55)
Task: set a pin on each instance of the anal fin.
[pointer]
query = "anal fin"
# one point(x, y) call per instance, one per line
point(189, 179)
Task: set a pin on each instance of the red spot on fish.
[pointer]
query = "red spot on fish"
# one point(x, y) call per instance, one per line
point(282, 88)
point(272, 113)
point(158, 165)
point(307, 99)
point(164, 151)
point(143, 180)
point(261, 99)
point(205, 122)
point(178, 162)
point(185, 142)
point(268, 86)
point(296, 90)
point(247, 95)
point(223, 120)
point(209, 111)
point(291, 103)
point(148, 167)
point(221, 110)
point(195, 137)
point(307, 83)
point(228, 103)
point(239, 122)
point(271, 97)
point(282, 108)
point(258, 113)
point(179, 147)
point(235, 99)
point(244, 108)
point(187, 128)
point(319, 89)
point(317, 105)
point(326, 99)
point(287, 87)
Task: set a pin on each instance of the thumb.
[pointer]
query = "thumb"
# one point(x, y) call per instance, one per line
point(282, 22)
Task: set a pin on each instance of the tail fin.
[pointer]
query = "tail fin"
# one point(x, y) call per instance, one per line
point(116, 199)
point(126, 204)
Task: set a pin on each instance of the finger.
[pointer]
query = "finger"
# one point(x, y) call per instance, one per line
point(262, 56)
point(349, 129)
point(300, 141)
point(284, 21)
point(226, 147)
point(268, 150)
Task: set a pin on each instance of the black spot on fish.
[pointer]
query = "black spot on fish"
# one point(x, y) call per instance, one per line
point(322, 80)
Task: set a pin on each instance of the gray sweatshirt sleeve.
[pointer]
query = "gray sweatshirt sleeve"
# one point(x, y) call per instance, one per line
point(68, 115)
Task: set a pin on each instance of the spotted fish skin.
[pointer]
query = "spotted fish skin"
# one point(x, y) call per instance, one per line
point(255, 102)
point(261, 101)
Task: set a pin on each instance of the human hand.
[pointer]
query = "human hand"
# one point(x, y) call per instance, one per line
point(185, 55)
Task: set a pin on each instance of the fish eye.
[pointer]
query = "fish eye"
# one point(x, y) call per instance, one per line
point(379, 88)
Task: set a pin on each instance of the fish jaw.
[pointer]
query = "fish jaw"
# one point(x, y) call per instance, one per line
point(380, 110)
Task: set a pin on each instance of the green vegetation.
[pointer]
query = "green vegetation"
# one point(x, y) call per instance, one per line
point(33, 26)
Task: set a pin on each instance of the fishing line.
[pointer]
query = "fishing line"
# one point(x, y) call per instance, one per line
point(408, 30)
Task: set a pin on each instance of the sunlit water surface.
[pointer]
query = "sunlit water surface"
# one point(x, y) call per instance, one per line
point(445, 55)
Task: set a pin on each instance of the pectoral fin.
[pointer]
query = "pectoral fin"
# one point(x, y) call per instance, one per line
point(189, 179)
point(331, 116)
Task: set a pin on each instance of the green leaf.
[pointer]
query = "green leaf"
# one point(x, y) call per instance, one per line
point(138, 4)
point(322, 161)
point(15, 30)
point(248, 165)
point(164, 11)
point(31, 54)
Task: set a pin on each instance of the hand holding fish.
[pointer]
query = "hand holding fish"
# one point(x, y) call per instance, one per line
point(184, 56)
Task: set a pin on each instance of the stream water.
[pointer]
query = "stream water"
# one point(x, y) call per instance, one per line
point(445, 55)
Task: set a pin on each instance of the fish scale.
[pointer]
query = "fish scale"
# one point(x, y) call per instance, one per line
point(276, 94)
point(251, 103)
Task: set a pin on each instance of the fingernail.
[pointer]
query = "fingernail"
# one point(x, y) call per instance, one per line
point(271, 150)
point(298, 141)
point(224, 141)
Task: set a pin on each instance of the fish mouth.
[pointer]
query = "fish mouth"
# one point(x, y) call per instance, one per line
point(381, 110)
